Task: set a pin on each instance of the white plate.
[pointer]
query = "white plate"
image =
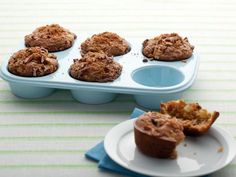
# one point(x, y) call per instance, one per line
point(196, 155)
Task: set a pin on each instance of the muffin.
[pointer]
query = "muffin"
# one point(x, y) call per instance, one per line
point(195, 119)
point(52, 37)
point(108, 42)
point(95, 67)
point(167, 47)
point(157, 135)
point(32, 62)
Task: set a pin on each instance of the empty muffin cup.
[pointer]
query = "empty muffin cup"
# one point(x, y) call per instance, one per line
point(158, 76)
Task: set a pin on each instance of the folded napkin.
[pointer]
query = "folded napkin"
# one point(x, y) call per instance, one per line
point(99, 155)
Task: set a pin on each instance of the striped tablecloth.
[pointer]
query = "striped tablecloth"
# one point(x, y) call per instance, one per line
point(48, 137)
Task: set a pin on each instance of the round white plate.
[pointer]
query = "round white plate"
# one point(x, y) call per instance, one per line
point(196, 155)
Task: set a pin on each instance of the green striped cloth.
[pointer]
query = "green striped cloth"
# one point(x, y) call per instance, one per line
point(48, 137)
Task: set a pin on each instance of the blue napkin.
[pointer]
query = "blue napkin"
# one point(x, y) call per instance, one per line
point(98, 154)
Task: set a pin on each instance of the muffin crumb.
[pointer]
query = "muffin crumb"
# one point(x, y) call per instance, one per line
point(145, 60)
point(220, 149)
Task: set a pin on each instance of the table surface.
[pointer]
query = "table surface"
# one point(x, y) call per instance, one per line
point(48, 137)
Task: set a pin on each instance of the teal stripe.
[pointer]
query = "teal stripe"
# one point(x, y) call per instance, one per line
point(211, 90)
point(5, 90)
point(112, 112)
point(219, 53)
point(61, 166)
point(128, 22)
point(67, 112)
point(222, 15)
point(204, 100)
point(43, 151)
point(93, 124)
point(51, 166)
point(62, 125)
point(226, 124)
point(217, 70)
point(216, 80)
point(84, 2)
point(101, 112)
point(117, 100)
point(54, 101)
point(218, 61)
point(50, 138)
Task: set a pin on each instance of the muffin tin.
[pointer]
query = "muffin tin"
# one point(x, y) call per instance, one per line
point(149, 82)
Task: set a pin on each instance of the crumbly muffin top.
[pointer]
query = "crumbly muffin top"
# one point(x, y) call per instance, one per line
point(34, 61)
point(51, 37)
point(169, 47)
point(160, 125)
point(52, 31)
point(95, 67)
point(108, 42)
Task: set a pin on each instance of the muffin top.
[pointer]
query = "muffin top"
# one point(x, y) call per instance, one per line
point(168, 47)
point(51, 37)
point(33, 61)
point(108, 42)
point(160, 125)
point(95, 67)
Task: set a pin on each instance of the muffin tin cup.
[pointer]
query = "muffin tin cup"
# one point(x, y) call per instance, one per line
point(153, 101)
point(91, 97)
point(150, 82)
point(26, 91)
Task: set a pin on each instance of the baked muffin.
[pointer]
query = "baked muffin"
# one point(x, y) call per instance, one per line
point(95, 67)
point(157, 135)
point(32, 62)
point(195, 119)
point(52, 37)
point(167, 47)
point(108, 42)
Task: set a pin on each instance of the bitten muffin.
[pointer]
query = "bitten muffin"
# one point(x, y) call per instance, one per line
point(157, 135)
point(33, 61)
point(168, 47)
point(95, 67)
point(108, 42)
point(195, 119)
point(52, 37)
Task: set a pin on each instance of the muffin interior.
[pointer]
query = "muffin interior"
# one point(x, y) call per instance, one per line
point(192, 115)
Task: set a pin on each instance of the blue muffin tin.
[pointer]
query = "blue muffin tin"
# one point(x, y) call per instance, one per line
point(149, 82)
